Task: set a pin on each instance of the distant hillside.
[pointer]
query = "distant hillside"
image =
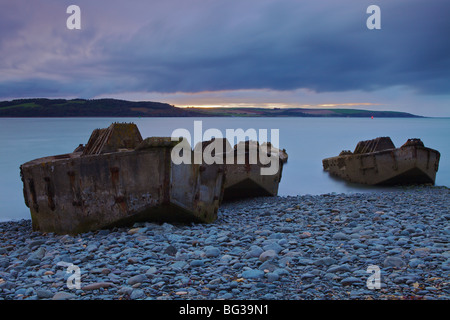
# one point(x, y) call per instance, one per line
point(300, 112)
point(122, 108)
point(90, 108)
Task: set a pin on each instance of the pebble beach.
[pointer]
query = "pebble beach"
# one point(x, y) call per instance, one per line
point(308, 247)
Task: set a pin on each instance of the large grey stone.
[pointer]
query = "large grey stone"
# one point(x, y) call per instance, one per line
point(252, 274)
point(64, 296)
point(140, 278)
point(137, 294)
point(327, 261)
point(268, 255)
point(211, 252)
point(394, 262)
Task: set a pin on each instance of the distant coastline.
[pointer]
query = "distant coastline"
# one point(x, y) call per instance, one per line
point(41, 107)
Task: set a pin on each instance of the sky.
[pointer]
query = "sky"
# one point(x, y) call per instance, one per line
point(252, 53)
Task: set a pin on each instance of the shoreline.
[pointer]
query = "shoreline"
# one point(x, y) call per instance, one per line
point(281, 248)
point(361, 189)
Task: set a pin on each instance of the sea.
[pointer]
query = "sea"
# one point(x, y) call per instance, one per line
point(306, 140)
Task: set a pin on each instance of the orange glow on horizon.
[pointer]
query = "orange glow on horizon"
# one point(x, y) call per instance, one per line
point(278, 105)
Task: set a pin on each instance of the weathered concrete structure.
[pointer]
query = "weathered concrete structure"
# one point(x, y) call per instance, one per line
point(116, 179)
point(378, 162)
point(244, 162)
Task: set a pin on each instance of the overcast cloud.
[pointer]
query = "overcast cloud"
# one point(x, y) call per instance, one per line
point(161, 48)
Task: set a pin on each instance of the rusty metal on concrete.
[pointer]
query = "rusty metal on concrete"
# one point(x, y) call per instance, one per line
point(281, 153)
point(117, 179)
point(378, 162)
point(243, 167)
point(117, 137)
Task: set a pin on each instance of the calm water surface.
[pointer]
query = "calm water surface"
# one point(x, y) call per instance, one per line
point(307, 141)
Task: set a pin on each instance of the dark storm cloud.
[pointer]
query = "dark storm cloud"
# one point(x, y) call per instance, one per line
point(201, 45)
